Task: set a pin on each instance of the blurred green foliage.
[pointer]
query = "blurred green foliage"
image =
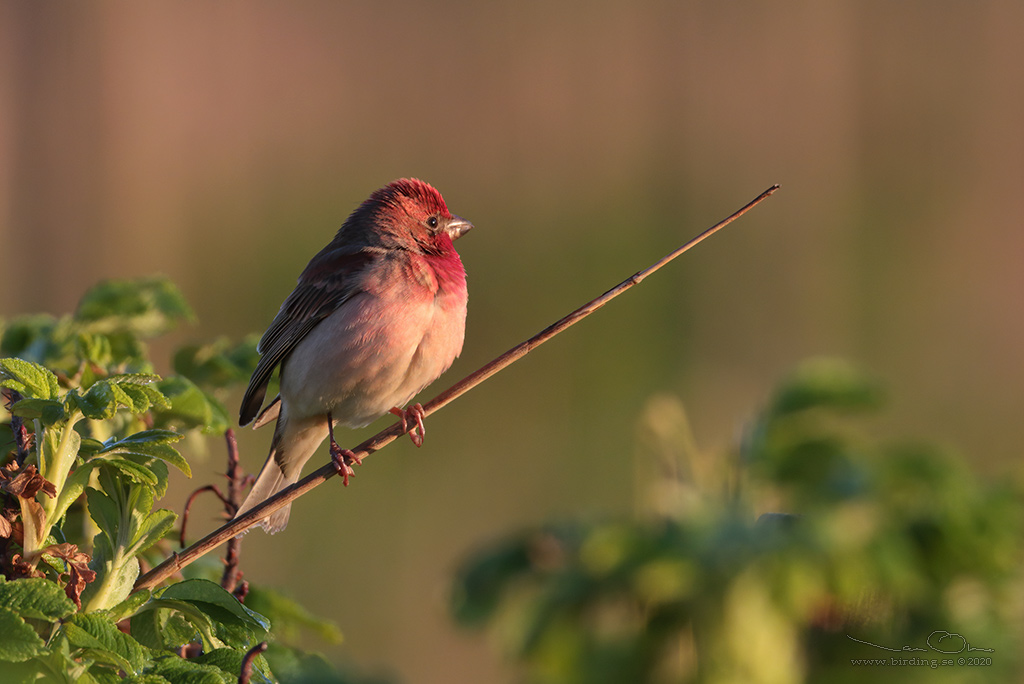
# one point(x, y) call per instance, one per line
point(870, 550)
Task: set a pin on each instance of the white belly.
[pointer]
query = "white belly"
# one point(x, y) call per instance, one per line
point(370, 356)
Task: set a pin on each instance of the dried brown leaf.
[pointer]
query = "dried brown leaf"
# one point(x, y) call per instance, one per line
point(78, 574)
point(25, 484)
point(22, 568)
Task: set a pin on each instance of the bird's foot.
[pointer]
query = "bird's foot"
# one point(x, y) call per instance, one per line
point(341, 458)
point(414, 414)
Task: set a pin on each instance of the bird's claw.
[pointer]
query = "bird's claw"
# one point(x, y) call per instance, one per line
point(342, 459)
point(413, 414)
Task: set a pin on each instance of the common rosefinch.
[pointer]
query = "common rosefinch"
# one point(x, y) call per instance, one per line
point(376, 316)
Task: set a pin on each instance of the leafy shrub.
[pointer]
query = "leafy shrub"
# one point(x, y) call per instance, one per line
point(881, 546)
point(87, 447)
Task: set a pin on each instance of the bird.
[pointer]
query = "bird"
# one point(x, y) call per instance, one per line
point(377, 315)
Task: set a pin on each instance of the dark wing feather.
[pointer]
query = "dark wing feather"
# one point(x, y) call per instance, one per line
point(328, 281)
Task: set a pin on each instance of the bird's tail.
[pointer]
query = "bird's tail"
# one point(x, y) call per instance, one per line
point(293, 444)
point(269, 482)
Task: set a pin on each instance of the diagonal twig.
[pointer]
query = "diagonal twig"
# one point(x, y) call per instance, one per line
point(388, 435)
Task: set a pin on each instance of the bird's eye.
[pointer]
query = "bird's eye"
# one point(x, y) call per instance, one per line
point(432, 222)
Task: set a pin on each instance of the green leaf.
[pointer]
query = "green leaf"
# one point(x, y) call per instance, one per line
point(288, 616)
point(131, 391)
point(156, 473)
point(72, 489)
point(147, 627)
point(169, 623)
point(28, 337)
point(155, 526)
point(294, 665)
point(218, 364)
point(115, 581)
point(220, 419)
point(191, 407)
point(98, 403)
point(135, 472)
point(204, 593)
point(148, 679)
point(141, 387)
point(146, 306)
point(227, 659)
point(827, 382)
point(230, 661)
point(99, 633)
point(49, 411)
point(89, 447)
point(29, 379)
point(128, 348)
point(129, 606)
point(159, 469)
point(186, 623)
point(135, 398)
point(134, 378)
point(26, 672)
point(58, 666)
point(18, 641)
point(35, 597)
point(57, 456)
point(128, 526)
point(58, 564)
point(139, 501)
point(94, 349)
point(178, 669)
point(145, 438)
point(152, 444)
point(101, 657)
point(103, 511)
point(483, 581)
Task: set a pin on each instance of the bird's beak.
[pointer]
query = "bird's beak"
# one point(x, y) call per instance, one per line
point(458, 227)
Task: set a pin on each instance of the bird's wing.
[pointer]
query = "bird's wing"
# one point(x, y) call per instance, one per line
point(330, 279)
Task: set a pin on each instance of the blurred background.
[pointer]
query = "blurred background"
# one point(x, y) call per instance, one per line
point(222, 144)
